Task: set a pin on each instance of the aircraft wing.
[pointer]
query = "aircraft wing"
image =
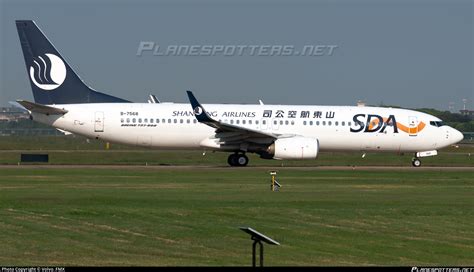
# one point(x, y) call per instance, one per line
point(39, 108)
point(226, 132)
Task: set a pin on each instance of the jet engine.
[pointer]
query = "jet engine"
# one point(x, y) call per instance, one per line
point(297, 148)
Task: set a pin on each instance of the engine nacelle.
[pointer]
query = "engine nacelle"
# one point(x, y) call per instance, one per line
point(297, 148)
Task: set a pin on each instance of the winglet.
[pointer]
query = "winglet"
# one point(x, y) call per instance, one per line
point(199, 112)
point(153, 100)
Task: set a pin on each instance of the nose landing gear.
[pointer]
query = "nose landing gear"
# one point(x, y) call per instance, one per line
point(237, 159)
point(416, 162)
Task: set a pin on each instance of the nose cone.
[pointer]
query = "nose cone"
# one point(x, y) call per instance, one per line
point(457, 136)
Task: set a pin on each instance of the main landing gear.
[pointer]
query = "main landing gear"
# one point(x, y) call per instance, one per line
point(237, 159)
point(416, 162)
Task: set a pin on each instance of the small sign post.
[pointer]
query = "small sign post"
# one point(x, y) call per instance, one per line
point(275, 186)
point(258, 238)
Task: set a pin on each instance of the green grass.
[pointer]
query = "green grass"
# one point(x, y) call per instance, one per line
point(185, 216)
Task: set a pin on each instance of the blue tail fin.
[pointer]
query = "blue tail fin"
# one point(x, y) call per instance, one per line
point(52, 79)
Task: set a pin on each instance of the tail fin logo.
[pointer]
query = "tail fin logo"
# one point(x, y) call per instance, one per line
point(48, 72)
point(198, 110)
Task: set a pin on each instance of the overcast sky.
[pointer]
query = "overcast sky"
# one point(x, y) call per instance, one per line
point(409, 53)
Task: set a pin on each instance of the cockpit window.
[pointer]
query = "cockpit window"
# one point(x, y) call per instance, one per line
point(437, 123)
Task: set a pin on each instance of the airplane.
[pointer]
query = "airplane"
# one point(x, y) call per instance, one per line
point(63, 101)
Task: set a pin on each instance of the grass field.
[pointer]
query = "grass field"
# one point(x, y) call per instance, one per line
point(190, 216)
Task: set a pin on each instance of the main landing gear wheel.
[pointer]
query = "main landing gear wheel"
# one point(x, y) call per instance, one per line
point(237, 160)
point(416, 162)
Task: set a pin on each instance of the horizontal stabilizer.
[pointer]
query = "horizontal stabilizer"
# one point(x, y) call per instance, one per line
point(65, 132)
point(17, 105)
point(34, 107)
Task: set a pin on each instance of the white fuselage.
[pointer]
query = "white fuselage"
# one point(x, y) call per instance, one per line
point(338, 128)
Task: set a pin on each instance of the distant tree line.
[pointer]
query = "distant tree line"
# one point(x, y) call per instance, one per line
point(26, 127)
point(22, 124)
point(456, 120)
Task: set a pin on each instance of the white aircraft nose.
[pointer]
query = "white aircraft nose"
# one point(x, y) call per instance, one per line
point(457, 136)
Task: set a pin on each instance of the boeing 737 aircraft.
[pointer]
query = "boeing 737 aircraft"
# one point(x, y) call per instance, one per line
point(62, 100)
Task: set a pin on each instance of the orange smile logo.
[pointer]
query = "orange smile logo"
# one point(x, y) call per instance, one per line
point(376, 123)
point(400, 126)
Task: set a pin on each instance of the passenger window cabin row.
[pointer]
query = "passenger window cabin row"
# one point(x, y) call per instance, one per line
point(231, 121)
